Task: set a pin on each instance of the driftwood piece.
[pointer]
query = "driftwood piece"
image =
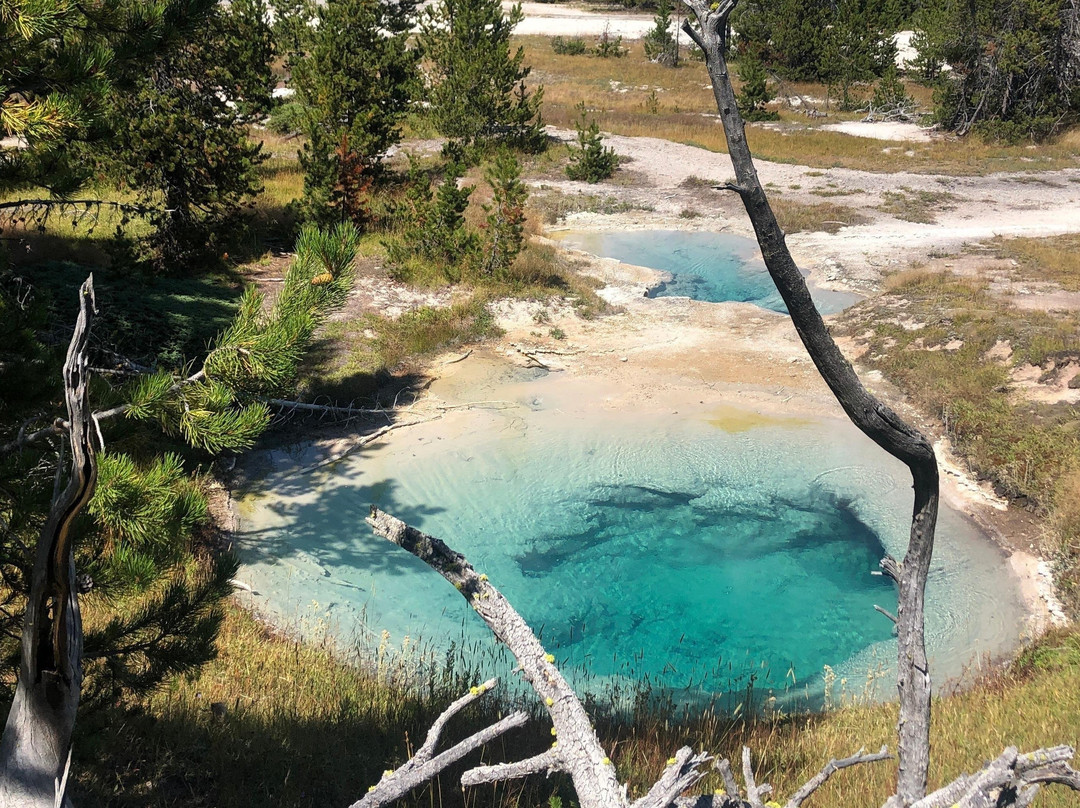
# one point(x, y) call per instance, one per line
point(425, 765)
point(35, 751)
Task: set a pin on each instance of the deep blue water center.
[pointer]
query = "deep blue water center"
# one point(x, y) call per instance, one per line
point(713, 267)
point(699, 593)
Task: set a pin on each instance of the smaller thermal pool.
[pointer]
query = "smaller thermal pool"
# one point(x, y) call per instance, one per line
point(713, 267)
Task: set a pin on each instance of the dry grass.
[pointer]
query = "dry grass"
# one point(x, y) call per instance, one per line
point(916, 206)
point(685, 112)
point(550, 205)
point(301, 728)
point(1030, 451)
point(1053, 258)
point(797, 217)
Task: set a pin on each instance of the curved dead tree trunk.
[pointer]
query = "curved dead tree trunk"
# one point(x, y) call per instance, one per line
point(35, 751)
point(880, 423)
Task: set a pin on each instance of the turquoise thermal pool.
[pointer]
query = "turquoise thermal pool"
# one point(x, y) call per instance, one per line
point(689, 551)
point(713, 267)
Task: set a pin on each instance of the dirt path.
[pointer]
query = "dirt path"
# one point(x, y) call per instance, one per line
point(542, 19)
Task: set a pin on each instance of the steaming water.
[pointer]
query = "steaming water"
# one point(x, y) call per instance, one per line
point(714, 267)
point(688, 551)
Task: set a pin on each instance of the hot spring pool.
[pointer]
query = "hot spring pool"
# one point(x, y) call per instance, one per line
point(713, 267)
point(690, 552)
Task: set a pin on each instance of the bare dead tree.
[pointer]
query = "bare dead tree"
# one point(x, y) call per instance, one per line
point(35, 751)
point(877, 421)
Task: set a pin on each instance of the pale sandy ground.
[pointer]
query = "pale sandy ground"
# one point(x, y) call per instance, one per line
point(883, 130)
point(542, 19)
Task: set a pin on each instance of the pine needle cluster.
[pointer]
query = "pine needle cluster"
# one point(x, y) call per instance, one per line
point(434, 229)
point(151, 591)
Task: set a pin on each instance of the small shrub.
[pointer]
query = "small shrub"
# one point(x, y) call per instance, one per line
point(890, 95)
point(568, 46)
point(590, 161)
point(505, 230)
point(755, 93)
point(660, 46)
point(608, 46)
point(286, 119)
point(433, 225)
point(557, 333)
point(694, 181)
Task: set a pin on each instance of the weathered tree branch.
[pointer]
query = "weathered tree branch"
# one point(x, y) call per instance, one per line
point(877, 421)
point(35, 751)
point(577, 750)
point(546, 762)
point(830, 769)
point(1011, 779)
point(62, 427)
point(680, 775)
point(57, 427)
point(753, 793)
point(423, 766)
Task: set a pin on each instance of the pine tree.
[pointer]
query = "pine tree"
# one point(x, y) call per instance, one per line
point(185, 152)
point(355, 85)
point(590, 161)
point(754, 94)
point(477, 86)
point(788, 35)
point(244, 53)
point(659, 43)
point(137, 546)
point(856, 49)
point(504, 234)
point(62, 61)
point(116, 92)
point(292, 29)
point(1015, 66)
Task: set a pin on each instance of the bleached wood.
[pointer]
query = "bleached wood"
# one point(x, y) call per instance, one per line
point(583, 758)
point(35, 751)
point(547, 762)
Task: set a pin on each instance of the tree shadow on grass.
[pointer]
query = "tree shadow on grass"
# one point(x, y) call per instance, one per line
point(297, 731)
